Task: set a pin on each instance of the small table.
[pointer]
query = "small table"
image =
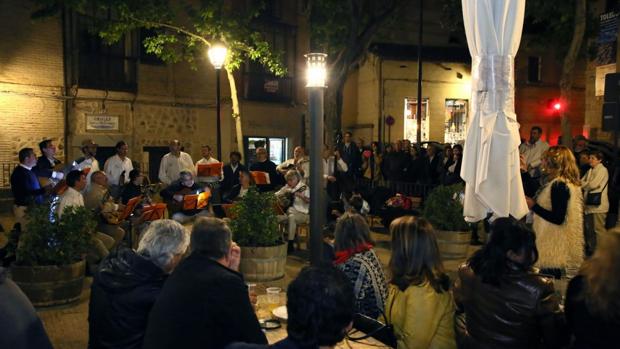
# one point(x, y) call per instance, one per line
point(279, 334)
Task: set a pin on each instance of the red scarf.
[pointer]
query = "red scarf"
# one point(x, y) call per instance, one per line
point(343, 256)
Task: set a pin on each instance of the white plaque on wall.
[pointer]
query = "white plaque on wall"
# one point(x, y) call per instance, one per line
point(101, 123)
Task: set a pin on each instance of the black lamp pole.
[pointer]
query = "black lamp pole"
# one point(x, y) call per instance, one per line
point(219, 121)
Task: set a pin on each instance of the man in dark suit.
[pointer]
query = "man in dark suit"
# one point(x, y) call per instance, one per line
point(47, 162)
point(231, 172)
point(351, 155)
point(434, 164)
point(25, 185)
point(205, 302)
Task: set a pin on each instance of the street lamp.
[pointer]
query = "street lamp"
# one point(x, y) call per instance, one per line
point(316, 75)
point(217, 56)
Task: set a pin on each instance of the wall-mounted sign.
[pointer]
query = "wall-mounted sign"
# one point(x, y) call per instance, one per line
point(101, 123)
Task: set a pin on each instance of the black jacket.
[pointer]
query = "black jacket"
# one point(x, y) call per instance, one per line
point(231, 178)
point(352, 157)
point(130, 191)
point(286, 343)
point(44, 168)
point(203, 305)
point(25, 187)
point(269, 167)
point(123, 292)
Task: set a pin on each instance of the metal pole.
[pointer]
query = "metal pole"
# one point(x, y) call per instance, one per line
point(219, 121)
point(317, 195)
point(419, 106)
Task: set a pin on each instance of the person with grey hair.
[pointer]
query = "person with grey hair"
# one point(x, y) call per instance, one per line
point(128, 282)
point(205, 303)
point(294, 200)
point(174, 195)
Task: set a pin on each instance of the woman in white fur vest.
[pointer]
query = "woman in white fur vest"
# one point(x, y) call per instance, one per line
point(558, 214)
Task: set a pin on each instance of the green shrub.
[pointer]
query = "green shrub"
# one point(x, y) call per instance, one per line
point(64, 242)
point(255, 223)
point(444, 210)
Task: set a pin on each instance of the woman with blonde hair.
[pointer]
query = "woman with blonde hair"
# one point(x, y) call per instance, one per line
point(593, 297)
point(419, 305)
point(558, 214)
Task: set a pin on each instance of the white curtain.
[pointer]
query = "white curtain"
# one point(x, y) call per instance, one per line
point(491, 153)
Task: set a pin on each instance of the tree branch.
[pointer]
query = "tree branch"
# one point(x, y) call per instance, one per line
point(171, 27)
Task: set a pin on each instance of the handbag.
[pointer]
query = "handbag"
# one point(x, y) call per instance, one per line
point(594, 199)
point(381, 331)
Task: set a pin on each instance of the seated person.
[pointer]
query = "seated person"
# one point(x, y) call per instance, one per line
point(238, 191)
point(134, 187)
point(99, 200)
point(352, 202)
point(320, 310)
point(127, 284)
point(175, 192)
point(299, 162)
point(298, 196)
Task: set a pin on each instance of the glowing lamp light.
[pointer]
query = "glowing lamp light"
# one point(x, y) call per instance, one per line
point(316, 73)
point(557, 106)
point(217, 55)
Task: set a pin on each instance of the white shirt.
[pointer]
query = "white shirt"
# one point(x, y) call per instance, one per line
point(71, 197)
point(533, 155)
point(304, 164)
point(114, 166)
point(171, 165)
point(210, 179)
point(328, 168)
point(298, 204)
point(91, 163)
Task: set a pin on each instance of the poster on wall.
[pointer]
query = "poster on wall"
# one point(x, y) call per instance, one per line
point(411, 124)
point(456, 120)
point(607, 43)
point(101, 122)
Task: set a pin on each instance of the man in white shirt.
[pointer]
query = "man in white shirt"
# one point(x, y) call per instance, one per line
point(173, 163)
point(208, 159)
point(328, 166)
point(297, 213)
point(118, 166)
point(533, 150)
point(89, 149)
point(299, 162)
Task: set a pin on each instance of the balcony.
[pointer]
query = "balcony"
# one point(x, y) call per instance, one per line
point(267, 88)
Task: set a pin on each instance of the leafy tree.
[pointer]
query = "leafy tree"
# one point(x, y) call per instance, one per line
point(183, 31)
point(344, 29)
point(561, 24)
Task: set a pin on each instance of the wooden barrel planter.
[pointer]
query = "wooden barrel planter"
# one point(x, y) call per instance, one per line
point(261, 264)
point(453, 245)
point(50, 285)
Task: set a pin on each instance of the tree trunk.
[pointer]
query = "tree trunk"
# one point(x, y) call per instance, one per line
point(333, 100)
point(566, 82)
point(235, 111)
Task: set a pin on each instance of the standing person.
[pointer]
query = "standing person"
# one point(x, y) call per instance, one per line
point(595, 181)
point(333, 166)
point(117, 168)
point(173, 163)
point(88, 160)
point(204, 303)
point(533, 151)
point(356, 257)
point(127, 284)
point(419, 304)
point(593, 297)
point(453, 172)
point(25, 185)
point(507, 303)
point(299, 209)
point(558, 214)
point(263, 164)
point(231, 171)
point(433, 165)
point(372, 164)
point(351, 155)
point(212, 181)
point(394, 163)
point(47, 162)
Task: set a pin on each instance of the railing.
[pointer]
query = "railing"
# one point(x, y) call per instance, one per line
point(6, 168)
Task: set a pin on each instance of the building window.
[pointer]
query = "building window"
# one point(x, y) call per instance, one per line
point(456, 120)
point(533, 69)
point(103, 66)
point(411, 124)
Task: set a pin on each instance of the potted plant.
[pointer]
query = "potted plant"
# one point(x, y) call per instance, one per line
point(49, 258)
point(255, 230)
point(443, 208)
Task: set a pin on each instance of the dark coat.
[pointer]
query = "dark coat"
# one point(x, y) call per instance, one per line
point(590, 330)
point(352, 157)
point(231, 178)
point(522, 312)
point(434, 169)
point(123, 292)
point(203, 305)
point(269, 167)
point(20, 327)
point(44, 168)
point(25, 187)
point(286, 343)
point(130, 191)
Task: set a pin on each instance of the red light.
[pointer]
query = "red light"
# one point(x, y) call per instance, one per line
point(557, 106)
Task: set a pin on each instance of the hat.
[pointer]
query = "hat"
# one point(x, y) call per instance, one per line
point(87, 142)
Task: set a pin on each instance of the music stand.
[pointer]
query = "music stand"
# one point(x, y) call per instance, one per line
point(153, 212)
point(209, 170)
point(260, 178)
point(131, 205)
point(196, 201)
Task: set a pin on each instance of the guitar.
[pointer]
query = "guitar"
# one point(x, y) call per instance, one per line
point(285, 200)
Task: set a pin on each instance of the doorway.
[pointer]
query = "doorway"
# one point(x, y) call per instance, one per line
point(276, 148)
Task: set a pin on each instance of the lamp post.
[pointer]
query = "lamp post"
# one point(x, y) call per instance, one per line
point(217, 56)
point(316, 76)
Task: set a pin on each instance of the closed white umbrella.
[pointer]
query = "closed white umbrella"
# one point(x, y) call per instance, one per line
point(491, 153)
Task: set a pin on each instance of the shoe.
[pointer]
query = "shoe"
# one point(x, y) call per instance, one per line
point(291, 247)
